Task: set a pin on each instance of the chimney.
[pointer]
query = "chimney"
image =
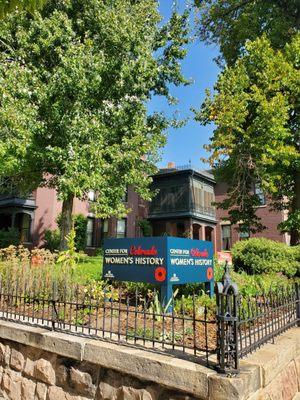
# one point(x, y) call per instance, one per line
point(171, 165)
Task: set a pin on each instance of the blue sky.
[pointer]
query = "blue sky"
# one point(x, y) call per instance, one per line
point(186, 143)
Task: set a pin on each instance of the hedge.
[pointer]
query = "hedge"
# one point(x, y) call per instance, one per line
point(260, 255)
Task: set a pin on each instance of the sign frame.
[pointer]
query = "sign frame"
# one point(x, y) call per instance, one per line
point(165, 261)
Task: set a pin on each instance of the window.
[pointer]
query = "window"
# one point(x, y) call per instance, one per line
point(244, 232)
point(121, 228)
point(90, 232)
point(260, 194)
point(23, 224)
point(180, 229)
point(105, 228)
point(226, 237)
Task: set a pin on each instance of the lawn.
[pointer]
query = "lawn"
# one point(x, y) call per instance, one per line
point(88, 269)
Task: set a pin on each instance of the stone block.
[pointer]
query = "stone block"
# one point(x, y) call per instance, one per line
point(289, 381)
point(272, 358)
point(63, 345)
point(173, 373)
point(62, 376)
point(56, 393)
point(237, 387)
point(41, 391)
point(128, 393)
point(4, 354)
point(70, 396)
point(82, 382)
point(29, 368)
point(297, 364)
point(28, 389)
point(11, 385)
point(17, 360)
point(44, 371)
point(107, 392)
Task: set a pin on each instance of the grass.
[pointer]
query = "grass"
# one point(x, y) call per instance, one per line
point(88, 269)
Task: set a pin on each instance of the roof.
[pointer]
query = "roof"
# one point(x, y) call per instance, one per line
point(206, 174)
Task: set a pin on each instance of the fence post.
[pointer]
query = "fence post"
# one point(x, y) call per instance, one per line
point(227, 324)
point(297, 287)
point(54, 300)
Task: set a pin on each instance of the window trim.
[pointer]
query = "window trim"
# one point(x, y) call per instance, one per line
point(228, 238)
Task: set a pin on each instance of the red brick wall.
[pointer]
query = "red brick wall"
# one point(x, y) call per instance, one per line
point(48, 209)
point(269, 218)
point(138, 211)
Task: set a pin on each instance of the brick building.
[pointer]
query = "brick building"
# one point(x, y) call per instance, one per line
point(36, 214)
point(227, 234)
point(183, 206)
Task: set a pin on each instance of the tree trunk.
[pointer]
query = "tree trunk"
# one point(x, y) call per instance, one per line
point(66, 221)
point(295, 236)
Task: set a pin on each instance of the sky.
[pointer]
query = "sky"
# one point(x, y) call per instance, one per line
point(185, 144)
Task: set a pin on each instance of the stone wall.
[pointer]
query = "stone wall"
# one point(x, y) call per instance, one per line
point(37, 364)
point(28, 373)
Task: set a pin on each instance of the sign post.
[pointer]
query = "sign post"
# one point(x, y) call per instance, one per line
point(163, 261)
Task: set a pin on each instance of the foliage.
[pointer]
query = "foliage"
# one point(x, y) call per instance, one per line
point(260, 255)
point(158, 308)
point(69, 258)
point(146, 227)
point(80, 225)
point(230, 23)
point(52, 239)
point(255, 108)
point(77, 76)
point(7, 6)
point(204, 304)
point(33, 271)
point(9, 237)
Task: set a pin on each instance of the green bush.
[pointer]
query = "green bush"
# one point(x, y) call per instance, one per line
point(260, 255)
point(52, 239)
point(80, 225)
point(146, 227)
point(9, 237)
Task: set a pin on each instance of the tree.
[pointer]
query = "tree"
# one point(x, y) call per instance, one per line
point(7, 6)
point(257, 138)
point(230, 23)
point(75, 79)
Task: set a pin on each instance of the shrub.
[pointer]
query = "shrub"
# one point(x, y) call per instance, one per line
point(260, 255)
point(52, 239)
point(146, 227)
point(80, 225)
point(9, 237)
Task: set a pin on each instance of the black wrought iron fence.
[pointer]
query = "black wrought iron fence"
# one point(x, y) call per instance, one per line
point(246, 323)
point(238, 327)
point(116, 315)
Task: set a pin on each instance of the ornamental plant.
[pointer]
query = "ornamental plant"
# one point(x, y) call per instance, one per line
point(260, 255)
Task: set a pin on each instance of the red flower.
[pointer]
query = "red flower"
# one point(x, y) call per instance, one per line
point(160, 274)
point(209, 273)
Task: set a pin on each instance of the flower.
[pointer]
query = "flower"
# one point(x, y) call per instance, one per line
point(160, 274)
